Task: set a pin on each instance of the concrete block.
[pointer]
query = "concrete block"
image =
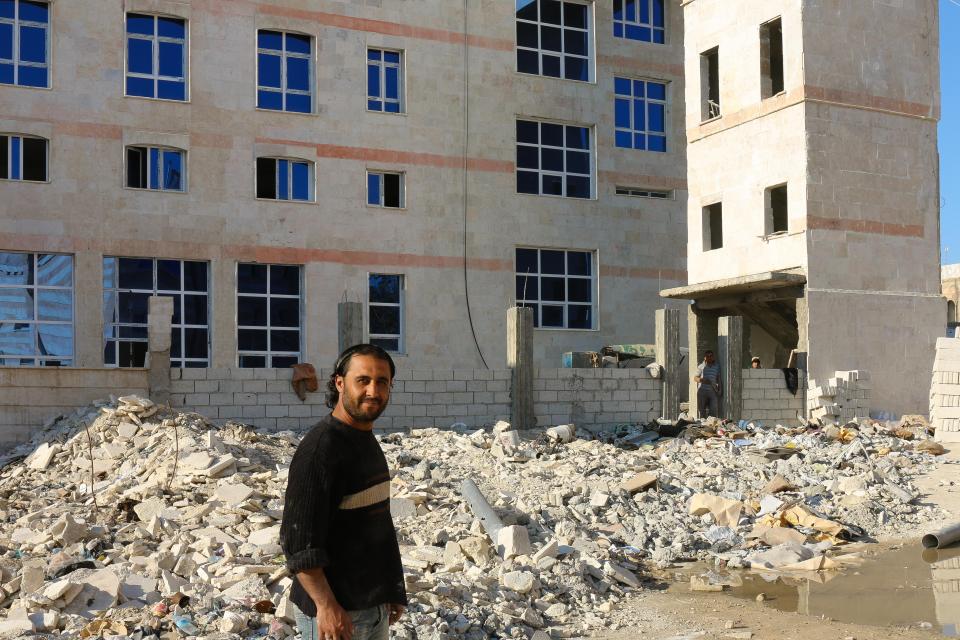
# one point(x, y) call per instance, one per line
point(197, 399)
point(182, 386)
point(254, 386)
point(193, 374)
point(244, 399)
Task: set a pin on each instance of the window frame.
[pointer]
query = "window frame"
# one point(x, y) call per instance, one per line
point(21, 179)
point(155, 41)
point(311, 179)
point(710, 111)
point(160, 149)
point(647, 101)
point(592, 175)
point(35, 322)
point(643, 192)
point(767, 77)
point(116, 290)
point(591, 46)
point(269, 353)
point(707, 226)
point(402, 305)
point(769, 219)
point(283, 53)
point(15, 24)
point(403, 189)
point(624, 23)
point(401, 67)
point(566, 303)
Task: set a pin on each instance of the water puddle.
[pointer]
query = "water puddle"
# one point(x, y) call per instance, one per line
point(898, 587)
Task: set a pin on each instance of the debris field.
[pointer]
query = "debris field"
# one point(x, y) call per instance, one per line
point(129, 520)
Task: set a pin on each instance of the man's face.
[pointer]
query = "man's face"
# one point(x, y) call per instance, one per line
point(708, 357)
point(365, 389)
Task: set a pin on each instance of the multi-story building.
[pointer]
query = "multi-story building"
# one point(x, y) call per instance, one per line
point(813, 183)
point(262, 161)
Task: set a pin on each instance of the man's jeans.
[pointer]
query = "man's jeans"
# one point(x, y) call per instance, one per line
point(708, 402)
point(368, 624)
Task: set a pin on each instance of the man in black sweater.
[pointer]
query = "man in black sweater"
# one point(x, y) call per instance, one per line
point(337, 533)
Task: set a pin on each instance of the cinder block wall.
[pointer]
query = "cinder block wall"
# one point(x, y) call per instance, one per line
point(596, 398)
point(30, 396)
point(590, 398)
point(766, 397)
point(420, 398)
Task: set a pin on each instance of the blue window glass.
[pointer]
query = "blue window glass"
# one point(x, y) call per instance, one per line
point(156, 57)
point(639, 20)
point(554, 159)
point(283, 179)
point(558, 286)
point(640, 109)
point(373, 188)
point(24, 43)
point(301, 181)
point(284, 78)
point(384, 81)
point(15, 155)
point(155, 168)
point(553, 39)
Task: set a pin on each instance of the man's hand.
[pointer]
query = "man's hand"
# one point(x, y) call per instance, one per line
point(396, 610)
point(333, 622)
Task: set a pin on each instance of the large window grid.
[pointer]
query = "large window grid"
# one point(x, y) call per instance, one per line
point(23, 158)
point(284, 179)
point(36, 309)
point(128, 284)
point(156, 168)
point(554, 159)
point(156, 57)
point(642, 20)
point(558, 285)
point(384, 80)
point(284, 72)
point(25, 43)
point(385, 311)
point(640, 114)
point(553, 39)
point(269, 316)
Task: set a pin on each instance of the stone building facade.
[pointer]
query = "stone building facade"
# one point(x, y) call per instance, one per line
point(262, 161)
point(813, 180)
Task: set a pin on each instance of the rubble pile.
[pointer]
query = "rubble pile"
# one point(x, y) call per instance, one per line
point(172, 531)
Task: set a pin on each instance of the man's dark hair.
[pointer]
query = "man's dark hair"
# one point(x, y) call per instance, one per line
point(708, 352)
point(343, 364)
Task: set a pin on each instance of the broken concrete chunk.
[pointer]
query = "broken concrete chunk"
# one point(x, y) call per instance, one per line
point(233, 494)
point(100, 590)
point(40, 459)
point(639, 482)
point(67, 530)
point(267, 535)
point(519, 581)
point(513, 541)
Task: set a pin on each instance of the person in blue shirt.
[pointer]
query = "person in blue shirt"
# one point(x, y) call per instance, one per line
point(708, 386)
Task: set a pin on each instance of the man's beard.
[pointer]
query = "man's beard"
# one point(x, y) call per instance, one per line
point(362, 412)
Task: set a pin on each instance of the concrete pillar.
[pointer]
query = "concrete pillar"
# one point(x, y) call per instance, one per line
point(159, 320)
point(88, 322)
point(520, 361)
point(349, 324)
point(668, 357)
point(730, 357)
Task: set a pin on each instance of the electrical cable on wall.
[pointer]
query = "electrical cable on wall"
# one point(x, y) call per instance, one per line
point(466, 148)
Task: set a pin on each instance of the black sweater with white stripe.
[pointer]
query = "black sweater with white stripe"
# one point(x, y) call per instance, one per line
point(336, 516)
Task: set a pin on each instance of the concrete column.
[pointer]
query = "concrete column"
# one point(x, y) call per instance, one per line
point(349, 324)
point(701, 337)
point(222, 291)
point(520, 361)
point(730, 357)
point(803, 331)
point(88, 323)
point(668, 357)
point(159, 320)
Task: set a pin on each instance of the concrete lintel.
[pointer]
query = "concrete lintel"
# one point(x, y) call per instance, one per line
point(732, 286)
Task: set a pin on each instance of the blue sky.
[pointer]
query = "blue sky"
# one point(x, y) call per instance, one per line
point(950, 131)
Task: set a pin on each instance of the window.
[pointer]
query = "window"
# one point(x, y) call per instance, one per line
point(639, 20)
point(553, 39)
point(284, 72)
point(128, 284)
point(776, 205)
point(156, 57)
point(558, 286)
point(713, 227)
point(25, 43)
point(554, 159)
point(710, 84)
point(641, 114)
point(384, 81)
point(36, 309)
point(644, 193)
point(268, 315)
point(23, 158)
point(156, 168)
point(282, 179)
point(771, 58)
point(384, 189)
point(385, 311)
